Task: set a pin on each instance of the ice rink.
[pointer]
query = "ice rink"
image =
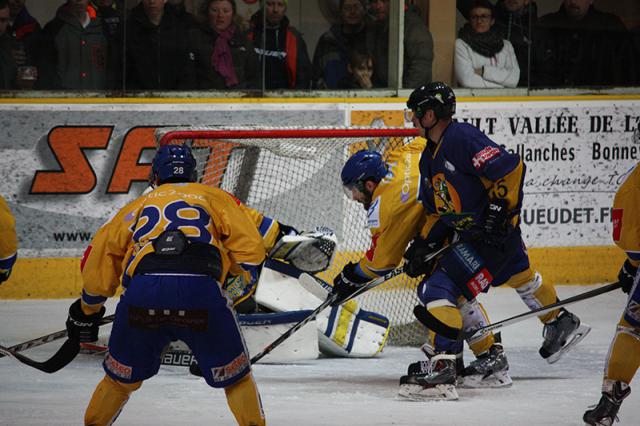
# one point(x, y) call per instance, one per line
point(326, 391)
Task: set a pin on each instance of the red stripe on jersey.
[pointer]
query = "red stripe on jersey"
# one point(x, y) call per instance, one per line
point(236, 199)
point(616, 217)
point(370, 253)
point(85, 256)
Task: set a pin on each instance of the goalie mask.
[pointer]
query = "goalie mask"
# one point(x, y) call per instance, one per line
point(361, 167)
point(173, 163)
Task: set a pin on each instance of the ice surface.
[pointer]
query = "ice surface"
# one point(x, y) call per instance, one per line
point(326, 391)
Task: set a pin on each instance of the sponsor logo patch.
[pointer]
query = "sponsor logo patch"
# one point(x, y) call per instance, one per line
point(235, 367)
point(480, 281)
point(483, 156)
point(373, 215)
point(616, 218)
point(117, 368)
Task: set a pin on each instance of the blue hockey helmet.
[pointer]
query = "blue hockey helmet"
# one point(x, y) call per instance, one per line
point(362, 166)
point(436, 96)
point(174, 163)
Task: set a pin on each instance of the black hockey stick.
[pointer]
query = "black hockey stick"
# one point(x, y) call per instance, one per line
point(257, 357)
point(60, 359)
point(540, 311)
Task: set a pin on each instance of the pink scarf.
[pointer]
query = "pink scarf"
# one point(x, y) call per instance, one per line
point(221, 59)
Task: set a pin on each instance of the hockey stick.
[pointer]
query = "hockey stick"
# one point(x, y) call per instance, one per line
point(60, 359)
point(257, 357)
point(540, 311)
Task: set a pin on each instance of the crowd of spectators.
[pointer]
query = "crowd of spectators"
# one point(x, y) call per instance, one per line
point(159, 45)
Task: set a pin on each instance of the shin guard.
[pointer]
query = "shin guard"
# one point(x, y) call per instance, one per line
point(621, 365)
point(535, 293)
point(473, 317)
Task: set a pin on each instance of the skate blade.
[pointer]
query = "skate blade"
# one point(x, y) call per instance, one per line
point(500, 379)
point(580, 333)
point(418, 393)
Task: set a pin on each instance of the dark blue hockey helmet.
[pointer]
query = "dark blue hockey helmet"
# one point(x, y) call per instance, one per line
point(174, 163)
point(436, 96)
point(362, 166)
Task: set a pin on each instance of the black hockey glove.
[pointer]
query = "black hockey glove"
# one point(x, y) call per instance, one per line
point(495, 222)
point(5, 275)
point(82, 327)
point(415, 256)
point(626, 275)
point(346, 283)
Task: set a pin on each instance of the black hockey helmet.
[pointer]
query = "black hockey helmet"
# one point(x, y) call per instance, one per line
point(436, 96)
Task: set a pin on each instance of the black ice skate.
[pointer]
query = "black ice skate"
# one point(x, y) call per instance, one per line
point(431, 379)
point(606, 411)
point(488, 370)
point(561, 335)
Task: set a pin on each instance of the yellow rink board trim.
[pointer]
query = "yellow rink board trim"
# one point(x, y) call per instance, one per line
point(58, 278)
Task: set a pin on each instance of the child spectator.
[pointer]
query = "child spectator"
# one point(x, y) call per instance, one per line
point(359, 69)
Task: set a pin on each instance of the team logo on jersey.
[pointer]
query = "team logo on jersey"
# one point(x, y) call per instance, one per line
point(117, 368)
point(484, 155)
point(446, 198)
point(616, 218)
point(229, 371)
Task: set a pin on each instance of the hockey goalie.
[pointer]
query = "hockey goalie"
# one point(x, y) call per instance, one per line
point(283, 284)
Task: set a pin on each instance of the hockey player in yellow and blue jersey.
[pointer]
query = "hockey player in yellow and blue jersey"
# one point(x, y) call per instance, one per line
point(623, 358)
point(473, 187)
point(8, 241)
point(171, 248)
point(389, 191)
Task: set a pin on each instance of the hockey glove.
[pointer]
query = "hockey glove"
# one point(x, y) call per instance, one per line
point(418, 250)
point(4, 275)
point(495, 222)
point(346, 283)
point(81, 327)
point(627, 275)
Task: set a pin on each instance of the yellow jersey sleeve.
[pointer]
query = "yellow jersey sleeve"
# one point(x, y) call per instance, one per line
point(8, 238)
point(626, 216)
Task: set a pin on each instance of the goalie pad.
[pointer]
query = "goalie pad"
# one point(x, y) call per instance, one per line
point(346, 331)
point(308, 251)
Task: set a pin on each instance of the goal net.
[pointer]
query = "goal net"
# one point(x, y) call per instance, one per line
point(293, 175)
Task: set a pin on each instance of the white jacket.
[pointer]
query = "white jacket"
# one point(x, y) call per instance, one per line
point(501, 70)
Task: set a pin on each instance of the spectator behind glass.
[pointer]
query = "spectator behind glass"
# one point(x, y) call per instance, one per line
point(482, 57)
point(514, 19)
point(113, 25)
point(418, 46)
point(330, 58)
point(8, 68)
point(74, 52)
point(157, 49)
point(287, 64)
point(359, 69)
point(24, 29)
point(224, 56)
point(580, 46)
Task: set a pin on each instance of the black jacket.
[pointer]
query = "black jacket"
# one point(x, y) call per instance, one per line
point(158, 57)
point(595, 51)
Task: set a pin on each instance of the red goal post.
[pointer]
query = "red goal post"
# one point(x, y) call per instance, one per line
point(292, 174)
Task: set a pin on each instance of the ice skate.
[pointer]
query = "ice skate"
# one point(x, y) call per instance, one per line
point(561, 335)
point(488, 370)
point(432, 379)
point(605, 413)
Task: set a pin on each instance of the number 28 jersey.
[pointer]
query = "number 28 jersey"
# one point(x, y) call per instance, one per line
point(204, 214)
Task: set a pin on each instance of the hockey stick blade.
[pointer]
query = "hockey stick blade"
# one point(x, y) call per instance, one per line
point(38, 341)
point(59, 360)
point(296, 327)
point(540, 311)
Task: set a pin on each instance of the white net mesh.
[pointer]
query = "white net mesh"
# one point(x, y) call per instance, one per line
point(293, 176)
